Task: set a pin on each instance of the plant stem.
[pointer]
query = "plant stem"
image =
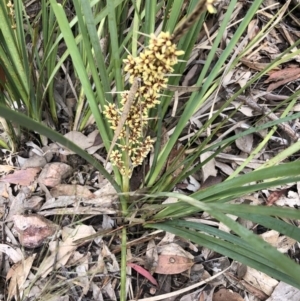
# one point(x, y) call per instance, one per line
point(124, 199)
point(123, 266)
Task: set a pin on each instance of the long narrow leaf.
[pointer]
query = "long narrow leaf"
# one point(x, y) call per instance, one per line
point(238, 251)
point(80, 68)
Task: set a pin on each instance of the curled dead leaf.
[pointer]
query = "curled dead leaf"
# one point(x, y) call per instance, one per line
point(143, 272)
point(33, 229)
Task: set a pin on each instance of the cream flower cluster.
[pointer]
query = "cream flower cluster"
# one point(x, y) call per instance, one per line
point(150, 67)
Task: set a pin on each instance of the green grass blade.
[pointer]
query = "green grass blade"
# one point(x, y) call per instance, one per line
point(181, 209)
point(243, 209)
point(228, 245)
point(273, 223)
point(284, 170)
point(284, 264)
point(10, 47)
point(98, 55)
point(188, 112)
point(174, 10)
point(115, 57)
point(80, 68)
point(150, 12)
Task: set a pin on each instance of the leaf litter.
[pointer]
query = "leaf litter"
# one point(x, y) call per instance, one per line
point(58, 223)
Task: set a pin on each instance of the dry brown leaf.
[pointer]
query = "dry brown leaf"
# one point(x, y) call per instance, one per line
point(34, 161)
point(103, 203)
point(22, 177)
point(17, 202)
point(53, 173)
point(257, 293)
point(172, 264)
point(82, 272)
point(282, 77)
point(281, 243)
point(97, 294)
point(244, 143)
point(107, 192)
point(79, 139)
point(34, 203)
point(252, 29)
point(209, 168)
point(151, 255)
point(225, 168)
point(282, 74)
point(285, 292)
point(90, 210)
point(60, 253)
point(2, 208)
point(291, 199)
point(18, 274)
point(256, 65)
point(173, 259)
point(240, 76)
point(113, 265)
point(260, 281)
point(14, 255)
point(95, 137)
point(71, 190)
point(203, 294)
point(285, 243)
point(228, 78)
point(191, 184)
point(243, 77)
point(78, 259)
point(97, 144)
point(60, 202)
point(271, 237)
point(57, 298)
point(246, 110)
point(140, 270)
point(271, 49)
point(225, 295)
point(33, 229)
point(275, 196)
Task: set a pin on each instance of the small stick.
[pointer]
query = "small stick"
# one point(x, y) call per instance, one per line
point(125, 113)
